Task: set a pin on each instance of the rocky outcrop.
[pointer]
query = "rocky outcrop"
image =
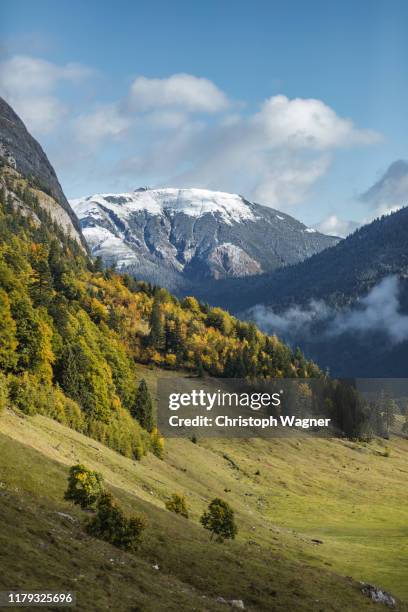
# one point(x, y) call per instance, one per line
point(23, 153)
point(378, 595)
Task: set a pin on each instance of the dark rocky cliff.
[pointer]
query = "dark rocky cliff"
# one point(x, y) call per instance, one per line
point(26, 155)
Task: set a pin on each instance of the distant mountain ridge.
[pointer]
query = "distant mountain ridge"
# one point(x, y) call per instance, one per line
point(179, 238)
point(339, 275)
point(362, 282)
point(391, 190)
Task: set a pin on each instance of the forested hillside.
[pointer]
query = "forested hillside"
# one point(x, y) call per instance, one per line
point(345, 307)
point(77, 343)
point(72, 333)
point(338, 275)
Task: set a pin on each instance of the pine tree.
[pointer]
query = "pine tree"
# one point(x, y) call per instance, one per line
point(229, 367)
point(142, 409)
point(390, 411)
point(8, 341)
point(41, 282)
point(98, 264)
point(157, 335)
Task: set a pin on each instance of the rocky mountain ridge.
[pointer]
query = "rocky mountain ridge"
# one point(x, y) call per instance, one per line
point(179, 238)
point(23, 154)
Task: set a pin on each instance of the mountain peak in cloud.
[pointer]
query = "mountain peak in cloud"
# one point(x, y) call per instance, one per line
point(397, 169)
point(390, 192)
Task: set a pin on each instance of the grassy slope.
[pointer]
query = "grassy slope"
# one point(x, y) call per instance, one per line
point(350, 497)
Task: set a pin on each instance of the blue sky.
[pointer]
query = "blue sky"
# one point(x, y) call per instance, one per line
point(300, 105)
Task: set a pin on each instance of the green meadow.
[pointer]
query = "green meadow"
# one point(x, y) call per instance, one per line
point(315, 518)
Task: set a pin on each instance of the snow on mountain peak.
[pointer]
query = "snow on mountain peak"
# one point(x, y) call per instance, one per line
point(182, 238)
point(191, 202)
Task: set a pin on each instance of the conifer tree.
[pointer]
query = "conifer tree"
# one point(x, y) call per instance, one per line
point(390, 411)
point(142, 409)
point(157, 335)
point(41, 281)
point(8, 341)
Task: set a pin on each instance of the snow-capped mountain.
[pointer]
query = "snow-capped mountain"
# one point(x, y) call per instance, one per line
point(180, 237)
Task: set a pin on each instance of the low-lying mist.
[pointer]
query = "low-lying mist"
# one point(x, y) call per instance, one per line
point(379, 310)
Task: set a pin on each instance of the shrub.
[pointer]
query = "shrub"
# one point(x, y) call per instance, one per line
point(219, 519)
point(157, 443)
point(177, 503)
point(24, 393)
point(84, 486)
point(123, 434)
point(111, 525)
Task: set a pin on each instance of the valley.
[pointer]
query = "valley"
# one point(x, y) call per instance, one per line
point(310, 512)
point(316, 517)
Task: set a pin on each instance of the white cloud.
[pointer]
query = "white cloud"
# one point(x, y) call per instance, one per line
point(179, 91)
point(41, 114)
point(156, 104)
point(307, 124)
point(390, 192)
point(292, 324)
point(387, 195)
point(335, 226)
point(24, 74)
point(105, 122)
point(29, 84)
point(183, 130)
point(284, 179)
point(274, 156)
point(167, 119)
point(379, 310)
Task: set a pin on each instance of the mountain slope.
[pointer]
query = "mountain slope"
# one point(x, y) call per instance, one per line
point(278, 489)
point(179, 237)
point(391, 190)
point(344, 307)
point(71, 335)
point(338, 275)
point(72, 340)
point(23, 153)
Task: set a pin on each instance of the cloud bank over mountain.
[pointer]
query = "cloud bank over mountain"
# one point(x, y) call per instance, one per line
point(379, 310)
point(390, 192)
point(30, 85)
point(181, 129)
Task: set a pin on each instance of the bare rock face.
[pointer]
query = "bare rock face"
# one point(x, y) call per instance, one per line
point(23, 153)
point(230, 260)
